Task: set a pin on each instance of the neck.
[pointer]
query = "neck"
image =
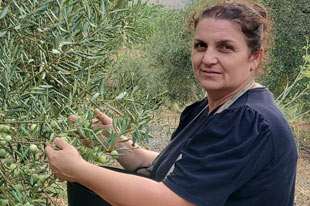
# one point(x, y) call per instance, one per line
point(217, 98)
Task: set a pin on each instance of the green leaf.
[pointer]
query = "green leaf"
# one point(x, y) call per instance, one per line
point(101, 86)
point(95, 96)
point(4, 12)
point(2, 33)
point(42, 8)
point(87, 10)
point(121, 96)
point(102, 7)
point(76, 23)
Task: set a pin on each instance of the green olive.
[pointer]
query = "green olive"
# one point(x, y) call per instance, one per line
point(2, 142)
point(102, 159)
point(2, 153)
point(54, 124)
point(42, 178)
point(33, 149)
point(114, 154)
point(33, 127)
point(5, 128)
point(17, 172)
point(35, 177)
point(13, 166)
point(8, 138)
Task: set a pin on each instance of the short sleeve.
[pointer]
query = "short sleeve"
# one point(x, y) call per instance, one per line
point(188, 114)
point(230, 149)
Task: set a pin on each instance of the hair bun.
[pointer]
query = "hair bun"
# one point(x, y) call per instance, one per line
point(260, 9)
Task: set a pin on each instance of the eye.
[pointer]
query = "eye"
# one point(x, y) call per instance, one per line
point(226, 48)
point(200, 46)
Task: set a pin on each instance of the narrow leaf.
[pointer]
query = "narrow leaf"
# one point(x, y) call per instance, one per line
point(2, 33)
point(4, 12)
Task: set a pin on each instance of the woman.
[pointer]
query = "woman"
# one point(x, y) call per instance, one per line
point(233, 148)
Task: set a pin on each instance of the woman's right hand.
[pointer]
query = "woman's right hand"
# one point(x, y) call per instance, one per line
point(101, 121)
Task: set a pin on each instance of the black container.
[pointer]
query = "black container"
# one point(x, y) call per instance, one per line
point(78, 195)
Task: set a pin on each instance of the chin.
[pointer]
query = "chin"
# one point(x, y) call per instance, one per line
point(210, 86)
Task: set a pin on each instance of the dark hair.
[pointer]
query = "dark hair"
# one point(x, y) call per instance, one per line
point(251, 19)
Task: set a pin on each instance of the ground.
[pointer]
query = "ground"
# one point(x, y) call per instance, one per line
point(302, 194)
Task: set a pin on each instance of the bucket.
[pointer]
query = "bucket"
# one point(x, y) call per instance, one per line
point(78, 195)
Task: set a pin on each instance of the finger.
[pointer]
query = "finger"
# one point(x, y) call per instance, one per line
point(48, 150)
point(61, 144)
point(102, 117)
point(95, 121)
point(73, 118)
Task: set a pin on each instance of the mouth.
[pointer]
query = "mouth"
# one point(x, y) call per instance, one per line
point(210, 73)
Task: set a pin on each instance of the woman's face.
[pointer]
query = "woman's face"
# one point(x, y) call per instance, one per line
point(220, 56)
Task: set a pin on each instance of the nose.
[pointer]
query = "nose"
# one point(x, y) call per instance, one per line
point(209, 57)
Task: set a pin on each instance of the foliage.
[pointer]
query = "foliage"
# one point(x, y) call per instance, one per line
point(57, 58)
point(291, 24)
point(290, 105)
point(163, 62)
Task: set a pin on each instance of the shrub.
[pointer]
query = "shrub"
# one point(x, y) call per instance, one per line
point(290, 100)
point(163, 62)
point(291, 25)
point(57, 58)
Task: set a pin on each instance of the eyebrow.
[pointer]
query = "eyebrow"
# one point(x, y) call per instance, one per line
point(197, 40)
point(221, 41)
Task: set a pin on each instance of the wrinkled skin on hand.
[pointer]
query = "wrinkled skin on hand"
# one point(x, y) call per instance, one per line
point(65, 161)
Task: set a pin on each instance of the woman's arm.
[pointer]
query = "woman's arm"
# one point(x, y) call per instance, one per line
point(132, 156)
point(123, 189)
point(116, 188)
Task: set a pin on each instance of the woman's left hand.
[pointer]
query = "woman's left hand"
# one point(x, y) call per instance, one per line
point(65, 162)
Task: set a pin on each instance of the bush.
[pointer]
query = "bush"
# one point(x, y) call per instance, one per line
point(291, 25)
point(163, 62)
point(291, 99)
point(57, 58)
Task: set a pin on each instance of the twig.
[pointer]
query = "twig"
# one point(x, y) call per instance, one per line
point(304, 148)
point(302, 192)
point(23, 122)
point(4, 177)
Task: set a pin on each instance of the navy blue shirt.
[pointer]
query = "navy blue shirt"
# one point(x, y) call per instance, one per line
point(243, 156)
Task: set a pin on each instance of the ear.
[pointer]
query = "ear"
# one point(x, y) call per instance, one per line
point(256, 59)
